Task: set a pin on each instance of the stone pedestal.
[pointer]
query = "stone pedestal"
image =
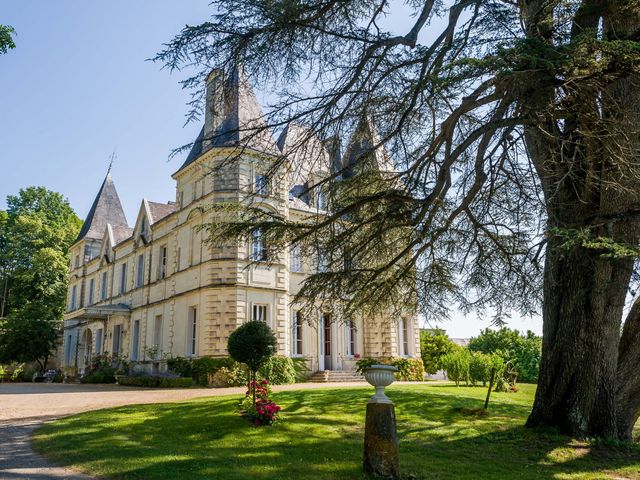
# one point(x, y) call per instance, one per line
point(381, 455)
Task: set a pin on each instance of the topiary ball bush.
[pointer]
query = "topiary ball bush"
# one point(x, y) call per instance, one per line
point(252, 343)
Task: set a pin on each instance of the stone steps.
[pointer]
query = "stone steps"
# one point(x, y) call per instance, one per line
point(327, 376)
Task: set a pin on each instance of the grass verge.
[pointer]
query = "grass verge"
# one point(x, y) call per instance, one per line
point(443, 435)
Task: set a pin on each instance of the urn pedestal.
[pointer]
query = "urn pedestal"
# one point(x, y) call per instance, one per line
point(381, 454)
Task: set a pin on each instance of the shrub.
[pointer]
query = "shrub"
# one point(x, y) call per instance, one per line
point(278, 370)
point(434, 344)
point(456, 365)
point(252, 343)
point(226, 372)
point(523, 351)
point(104, 375)
point(409, 369)
point(155, 381)
point(200, 369)
point(479, 368)
point(103, 368)
point(301, 368)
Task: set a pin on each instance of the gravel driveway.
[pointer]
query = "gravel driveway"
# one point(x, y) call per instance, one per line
point(24, 406)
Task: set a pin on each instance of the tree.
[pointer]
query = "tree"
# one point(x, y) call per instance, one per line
point(6, 39)
point(523, 351)
point(252, 343)
point(434, 344)
point(514, 129)
point(27, 337)
point(37, 230)
point(456, 364)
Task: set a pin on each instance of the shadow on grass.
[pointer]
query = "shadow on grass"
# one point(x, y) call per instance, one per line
point(320, 437)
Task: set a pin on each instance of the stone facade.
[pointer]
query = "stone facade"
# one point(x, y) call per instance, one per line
point(157, 289)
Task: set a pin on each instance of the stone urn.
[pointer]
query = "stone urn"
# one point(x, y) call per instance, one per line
point(380, 376)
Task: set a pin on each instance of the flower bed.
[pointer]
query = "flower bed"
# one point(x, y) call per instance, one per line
point(264, 411)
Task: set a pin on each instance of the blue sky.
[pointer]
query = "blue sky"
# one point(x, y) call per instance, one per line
point(78, 88)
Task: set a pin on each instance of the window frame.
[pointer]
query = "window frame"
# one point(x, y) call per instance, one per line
point(192, 332)
point(260, 307)
point(260, 184)
point(123, 278)
point(103, 286)
point(140, 261)
point(297, 334)
point(162, 262)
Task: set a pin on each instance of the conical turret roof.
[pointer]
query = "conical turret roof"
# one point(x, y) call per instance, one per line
point(106, 209)
point(236, 117)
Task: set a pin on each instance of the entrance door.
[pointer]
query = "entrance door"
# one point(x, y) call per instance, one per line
point(325, 339)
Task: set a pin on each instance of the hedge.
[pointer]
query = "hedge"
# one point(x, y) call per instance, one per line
point(154, 381)
point(225, 372)
point(409, 369)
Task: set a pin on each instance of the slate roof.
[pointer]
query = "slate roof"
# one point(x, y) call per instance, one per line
point(120, 234)
point(241, 124)
point(160, 210)
point(106, 209)
point(306, 152)
point(361, 149)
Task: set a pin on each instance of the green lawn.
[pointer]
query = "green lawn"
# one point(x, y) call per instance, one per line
point(441, 437)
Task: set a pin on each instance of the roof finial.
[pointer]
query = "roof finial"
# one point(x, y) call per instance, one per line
point(111, 159)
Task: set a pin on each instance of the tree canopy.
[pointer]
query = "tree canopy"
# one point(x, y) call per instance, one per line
point(36, 232)
point(38, 228)
point(513, 129)
point(6, 38)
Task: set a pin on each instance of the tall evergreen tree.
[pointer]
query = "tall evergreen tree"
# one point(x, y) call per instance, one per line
point(514, 129)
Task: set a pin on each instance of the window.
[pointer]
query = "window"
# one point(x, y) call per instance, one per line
point(321, 199)
point(403, 337)
point(99, 341)
point(74, 291)
point(123, 278)
point(103, 290)
point(259, 313)
point(157, 335)
point(117, 336)
point(92, 287)
point(350, 335)
point(162, 262)
point(192, 337)
point(77, 261)
point(295, 259)
point(258, 250)
point(194, 257)
point(296, 334)
point(323, 261)
point(135, 341)
point(140, 271)
point(260, 185)
point(69, 349)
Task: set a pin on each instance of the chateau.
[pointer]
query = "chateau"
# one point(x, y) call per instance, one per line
point(156, 288)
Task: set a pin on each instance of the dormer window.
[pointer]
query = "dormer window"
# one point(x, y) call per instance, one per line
point(260, 185)
point(144, 231)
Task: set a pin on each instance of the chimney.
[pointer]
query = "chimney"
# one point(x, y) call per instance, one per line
point(214, 107)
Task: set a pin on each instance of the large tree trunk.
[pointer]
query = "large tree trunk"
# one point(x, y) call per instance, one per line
point(584, 298)
point(588, 381)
